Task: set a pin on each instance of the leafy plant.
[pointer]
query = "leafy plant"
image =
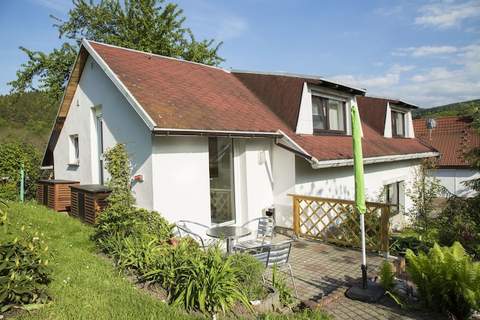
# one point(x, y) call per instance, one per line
point(279, 283)
point(24, 273)
point(423, 191)
point(249, 273)
point(460, 221)
point(387, 276)
point(447, 279)
point(12, 156)
point(410, 239)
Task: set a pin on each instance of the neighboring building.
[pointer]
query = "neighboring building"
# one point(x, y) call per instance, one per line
point(217, 146)
point(452, 137)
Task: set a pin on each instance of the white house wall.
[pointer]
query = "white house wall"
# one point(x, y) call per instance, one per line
point(284, 178)
point(339, 182)
point(453, 180)
point(181, 178)
point(121, 125)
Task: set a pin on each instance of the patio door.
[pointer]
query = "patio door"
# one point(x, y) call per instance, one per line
point(222, 195)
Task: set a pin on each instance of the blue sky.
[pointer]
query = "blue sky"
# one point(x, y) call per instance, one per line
point(426, 52)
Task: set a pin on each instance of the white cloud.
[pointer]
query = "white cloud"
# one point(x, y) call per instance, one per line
point(390, 78)
point(231, 27)
point(423, 51)
point(447, 14)
point(437, 85)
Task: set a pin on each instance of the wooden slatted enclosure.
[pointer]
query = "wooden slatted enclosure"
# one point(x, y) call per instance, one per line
point(55, 193)
point(88, 201)
point(335, 221)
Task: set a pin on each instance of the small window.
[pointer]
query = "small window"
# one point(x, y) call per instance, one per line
point(74, 150)
point(394, 194)
point(328, 115)
point(398, 124)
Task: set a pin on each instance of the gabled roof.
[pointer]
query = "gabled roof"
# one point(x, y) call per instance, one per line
point(453, 137)
point(182, 97)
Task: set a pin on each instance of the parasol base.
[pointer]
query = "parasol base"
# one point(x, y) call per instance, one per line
point(372, 293)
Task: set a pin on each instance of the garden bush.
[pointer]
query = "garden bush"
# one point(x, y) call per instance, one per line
point(24, 273)
point(460, 221)
point(12, 155)
point(447, 279)
point(249, 273)
point(387, 276)
point(279, 283)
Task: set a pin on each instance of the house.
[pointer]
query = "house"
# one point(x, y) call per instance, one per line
point(216, 146)
point(452, 137)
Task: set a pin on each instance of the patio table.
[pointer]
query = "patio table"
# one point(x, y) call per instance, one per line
point(228, 233)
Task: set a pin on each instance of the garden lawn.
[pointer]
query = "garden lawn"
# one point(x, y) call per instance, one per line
point(85, 285)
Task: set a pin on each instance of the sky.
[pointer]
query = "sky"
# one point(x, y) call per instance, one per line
point(424, 52)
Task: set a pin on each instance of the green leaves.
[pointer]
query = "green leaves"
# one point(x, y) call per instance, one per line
point(446, 279)
point(387, 276)
point(12, 155)
point(24, 273)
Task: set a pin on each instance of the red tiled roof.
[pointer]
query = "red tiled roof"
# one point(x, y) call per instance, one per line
point(184, 95)
point(453, 136)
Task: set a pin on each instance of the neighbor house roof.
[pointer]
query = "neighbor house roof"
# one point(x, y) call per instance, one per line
point(177, 95)
point(452, 136)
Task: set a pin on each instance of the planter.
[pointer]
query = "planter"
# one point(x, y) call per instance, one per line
point(270, 304)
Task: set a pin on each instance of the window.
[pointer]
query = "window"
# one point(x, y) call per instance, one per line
point(394, 196)
point(222, 197)
point(398, 124)
point(328, 115)
point(74, 150)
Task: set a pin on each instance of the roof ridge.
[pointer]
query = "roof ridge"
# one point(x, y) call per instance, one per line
point(157, 55)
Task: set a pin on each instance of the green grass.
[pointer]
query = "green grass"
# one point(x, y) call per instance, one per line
point(84, 286)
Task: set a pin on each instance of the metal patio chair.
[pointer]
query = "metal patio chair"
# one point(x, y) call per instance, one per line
point(264, 234)
point(277, 254)
point(194, 230)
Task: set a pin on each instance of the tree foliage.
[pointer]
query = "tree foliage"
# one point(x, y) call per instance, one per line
point(12, 156)
point(423, 191)
point(147, 25)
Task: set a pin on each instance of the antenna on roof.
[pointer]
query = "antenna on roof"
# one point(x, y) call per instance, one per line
point(431, 124)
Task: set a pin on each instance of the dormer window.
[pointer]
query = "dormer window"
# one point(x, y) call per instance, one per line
point(398, 124)
point(328, 115)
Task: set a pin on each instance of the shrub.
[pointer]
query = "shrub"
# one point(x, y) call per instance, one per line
point(447, 279)
point(387, 276)
point(305, 314)
point(12, 155)
point(412, 240)
point(249, 272)
point(460, 221)
point(279, 283)
point(24, 274)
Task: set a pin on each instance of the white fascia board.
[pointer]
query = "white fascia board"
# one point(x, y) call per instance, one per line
point(349, 162)
point(295, 146)
point(119, 84)
point(182, 132)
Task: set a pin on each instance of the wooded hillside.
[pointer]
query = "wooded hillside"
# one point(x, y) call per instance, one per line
point(26, 117)
point(452, 109)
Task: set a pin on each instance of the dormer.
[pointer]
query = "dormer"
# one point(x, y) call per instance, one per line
point(391, 118)
point(324, 111)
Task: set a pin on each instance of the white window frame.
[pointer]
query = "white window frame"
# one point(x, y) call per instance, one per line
point(74, 150)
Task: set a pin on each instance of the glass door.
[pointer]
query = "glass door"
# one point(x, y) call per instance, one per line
point(222, 197)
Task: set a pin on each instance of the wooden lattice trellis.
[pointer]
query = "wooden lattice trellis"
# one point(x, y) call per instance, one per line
point(335, 221)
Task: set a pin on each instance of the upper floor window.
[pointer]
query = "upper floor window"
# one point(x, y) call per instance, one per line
point(328, 115)
point(398, 124)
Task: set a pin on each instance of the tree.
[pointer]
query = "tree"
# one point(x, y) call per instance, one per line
point(147, 25)
point(425, 188)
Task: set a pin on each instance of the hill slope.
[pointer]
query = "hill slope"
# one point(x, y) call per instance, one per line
point(27, 118)
point(452, 109)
